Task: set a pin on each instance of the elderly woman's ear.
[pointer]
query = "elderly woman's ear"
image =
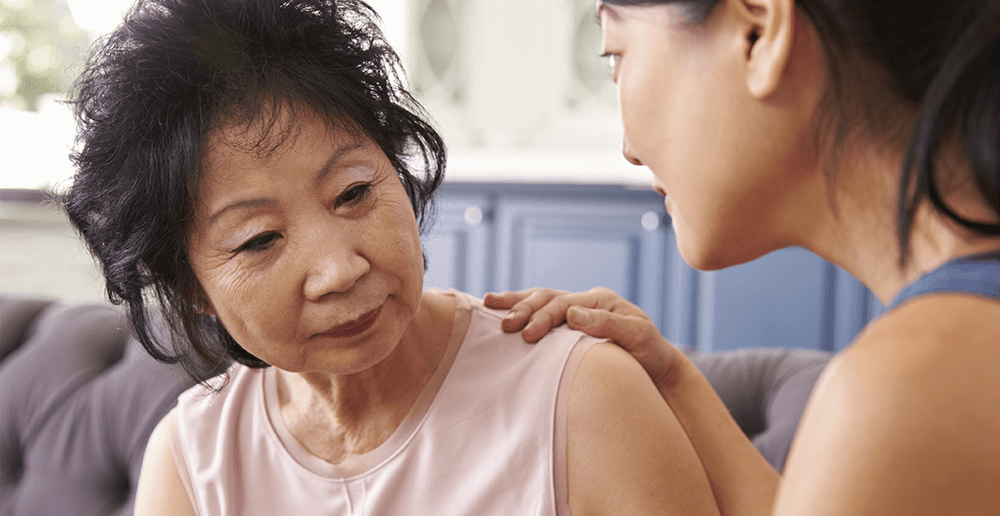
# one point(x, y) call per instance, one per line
point(202, 305)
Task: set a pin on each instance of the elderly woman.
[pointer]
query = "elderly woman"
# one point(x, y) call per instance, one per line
point(253, 171)
point(869, 133)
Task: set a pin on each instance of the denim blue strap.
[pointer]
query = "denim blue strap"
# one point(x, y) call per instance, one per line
point(978, 274)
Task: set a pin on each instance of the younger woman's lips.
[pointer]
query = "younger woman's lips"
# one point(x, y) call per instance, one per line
point(355, 327)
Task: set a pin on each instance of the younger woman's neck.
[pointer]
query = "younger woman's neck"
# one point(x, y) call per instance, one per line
point(862, 233)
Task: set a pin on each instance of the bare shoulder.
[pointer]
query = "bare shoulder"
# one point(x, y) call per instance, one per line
point(626, 452)
point(160, 491)
point(905, 420)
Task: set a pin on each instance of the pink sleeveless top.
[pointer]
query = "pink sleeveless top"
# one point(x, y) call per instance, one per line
point(486, 437)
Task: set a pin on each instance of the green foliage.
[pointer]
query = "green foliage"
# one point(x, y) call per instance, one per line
point(46, 50)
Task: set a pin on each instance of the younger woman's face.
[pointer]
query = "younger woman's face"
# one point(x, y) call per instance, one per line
point(309, 256)
point(726, 162)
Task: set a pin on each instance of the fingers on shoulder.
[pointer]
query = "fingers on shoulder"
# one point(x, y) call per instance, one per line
point(627, 330)
point(503, 300)
point(603, 293)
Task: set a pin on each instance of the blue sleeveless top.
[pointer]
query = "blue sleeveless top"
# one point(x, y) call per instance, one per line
point(978, 274)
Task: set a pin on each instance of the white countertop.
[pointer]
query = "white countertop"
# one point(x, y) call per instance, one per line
point(544, 166)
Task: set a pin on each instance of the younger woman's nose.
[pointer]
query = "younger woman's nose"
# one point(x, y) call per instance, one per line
point(629, 153)
point(659, 188)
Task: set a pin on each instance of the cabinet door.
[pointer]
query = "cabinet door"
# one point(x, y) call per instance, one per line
point(577, 244)
point(457, 244)
point(788, 298)
point(779, 300)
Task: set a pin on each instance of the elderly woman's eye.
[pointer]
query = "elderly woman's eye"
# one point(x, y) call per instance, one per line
point(354, 195)
point(261, 242)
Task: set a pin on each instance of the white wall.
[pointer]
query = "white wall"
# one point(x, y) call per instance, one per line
point(42, 255)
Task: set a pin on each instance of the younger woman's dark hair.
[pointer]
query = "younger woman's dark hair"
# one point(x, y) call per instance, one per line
point(939, 59)
point(170, 74)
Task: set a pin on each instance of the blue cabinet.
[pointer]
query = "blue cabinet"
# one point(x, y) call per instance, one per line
point(458, 244)
point(781, 300)
point(494, 237)
point(575, 244)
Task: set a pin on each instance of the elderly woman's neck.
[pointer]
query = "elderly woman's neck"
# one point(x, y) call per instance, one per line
point(338, 416)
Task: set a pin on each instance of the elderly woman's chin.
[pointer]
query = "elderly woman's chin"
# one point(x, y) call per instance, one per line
point(379, 338)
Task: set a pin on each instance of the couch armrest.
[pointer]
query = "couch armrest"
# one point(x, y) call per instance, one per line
point(766, 391)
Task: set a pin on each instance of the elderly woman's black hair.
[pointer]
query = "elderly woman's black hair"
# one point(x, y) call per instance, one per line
point(940, 63)
point(174, 71)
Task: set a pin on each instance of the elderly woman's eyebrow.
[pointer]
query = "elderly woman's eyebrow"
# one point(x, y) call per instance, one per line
point(338, 154)
point(329, 166)
point(245, 203)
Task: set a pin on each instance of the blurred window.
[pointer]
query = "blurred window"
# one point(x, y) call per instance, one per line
point(42, 48)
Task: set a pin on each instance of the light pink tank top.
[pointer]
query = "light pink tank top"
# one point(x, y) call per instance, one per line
point(486, 437)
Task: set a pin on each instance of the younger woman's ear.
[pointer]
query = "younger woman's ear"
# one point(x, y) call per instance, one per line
point(769, 30)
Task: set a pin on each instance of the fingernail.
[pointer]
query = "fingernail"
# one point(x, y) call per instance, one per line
point(580, 316)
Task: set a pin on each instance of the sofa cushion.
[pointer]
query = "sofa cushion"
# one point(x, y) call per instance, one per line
point(766, 391)
point(80, 400)
point(16, 325)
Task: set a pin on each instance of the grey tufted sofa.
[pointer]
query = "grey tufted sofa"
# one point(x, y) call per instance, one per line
point(79, 398)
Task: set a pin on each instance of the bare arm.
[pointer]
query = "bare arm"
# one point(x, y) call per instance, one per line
point(626, 453)
point(742, 480)
point(160, 491)
point(904, 422)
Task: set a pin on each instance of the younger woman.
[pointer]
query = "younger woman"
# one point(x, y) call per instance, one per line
point(868, 132)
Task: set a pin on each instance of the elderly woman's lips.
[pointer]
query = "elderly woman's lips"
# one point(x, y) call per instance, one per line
point(355, 327)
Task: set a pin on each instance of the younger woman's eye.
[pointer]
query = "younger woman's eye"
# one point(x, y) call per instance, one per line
point(613, 60)
point(261, 242)
point(353, 195)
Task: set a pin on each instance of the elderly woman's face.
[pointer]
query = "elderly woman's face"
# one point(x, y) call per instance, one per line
point(311, 256)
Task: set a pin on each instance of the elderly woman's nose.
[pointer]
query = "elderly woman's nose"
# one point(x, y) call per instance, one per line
point(629, 153)
point(333, 266)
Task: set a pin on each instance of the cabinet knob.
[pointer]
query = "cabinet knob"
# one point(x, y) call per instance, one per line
point(650, 221)
point(473, 215)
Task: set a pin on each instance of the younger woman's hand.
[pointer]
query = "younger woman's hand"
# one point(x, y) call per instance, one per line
point(599, 312)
